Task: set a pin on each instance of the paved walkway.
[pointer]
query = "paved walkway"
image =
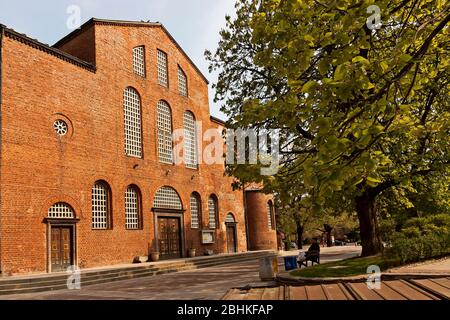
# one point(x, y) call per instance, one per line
point(209, 283)
point(434, 266)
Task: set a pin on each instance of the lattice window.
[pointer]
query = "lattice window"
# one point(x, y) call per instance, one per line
point(61, 211)
point(195, 212)
point(167, 198)
point(230, 218)
point(212, 207)
point(132, 118)
point(100, 206)
point(164, 120)
point(139, 61)
point(132, 208)
point(162, 68)
point(190, 141)
point(270, 214)
point(182, 82)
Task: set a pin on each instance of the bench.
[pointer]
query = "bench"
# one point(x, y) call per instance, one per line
point(313, 256)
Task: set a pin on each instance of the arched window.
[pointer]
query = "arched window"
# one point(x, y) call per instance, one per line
point(132, 119)
point(132, 208)
point(195, 211)
point(230, 218)
point(164, 122)
point(163, 79)
point(270, 214)
point(139, 61)
point(61, 210)
point(167, 198)
point(182, 82)
point(190, 140)
point(101, 211)
point(213, 212)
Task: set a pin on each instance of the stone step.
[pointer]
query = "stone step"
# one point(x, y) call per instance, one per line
point(154, 267)
point(59, 281)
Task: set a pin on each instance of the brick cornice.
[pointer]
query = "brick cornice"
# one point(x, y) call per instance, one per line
point(47, 49)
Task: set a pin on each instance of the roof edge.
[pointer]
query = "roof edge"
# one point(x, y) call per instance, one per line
point(127, 23)
point(217, 120)
point(46, 48)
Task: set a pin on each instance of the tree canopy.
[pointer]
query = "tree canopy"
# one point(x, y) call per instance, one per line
point(360, 109)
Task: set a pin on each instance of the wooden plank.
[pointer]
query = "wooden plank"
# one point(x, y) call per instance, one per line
point(315, 293)
point(254, 294)
point(297, 293)
point(364, 292)
point(281, 292)
point(445, 282)
point(235, 294)
point(410, 291)
point(433, 287)
point(388, 292)
point(346, 291)
point(334, 291)
point(270, 293)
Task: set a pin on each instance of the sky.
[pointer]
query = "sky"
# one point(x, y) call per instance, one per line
point(195, 24)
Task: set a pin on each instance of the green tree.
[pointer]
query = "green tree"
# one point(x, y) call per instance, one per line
point(360, 110)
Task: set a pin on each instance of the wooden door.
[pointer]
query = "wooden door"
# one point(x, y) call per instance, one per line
point(61, 248)
point(231, 238)
point(169, 234)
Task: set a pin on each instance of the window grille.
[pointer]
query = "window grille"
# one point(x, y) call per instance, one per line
point(230, 218)
point(132, 208)
point(195, 208)
point(132, 118)
point(61, 211)
point(139, 61)
point(182, 82)
point(162, 68)
point(100, 206)
point(164, 122)
point(190, 141)
point(212, 206)
point(167, 198)
point(270, 214)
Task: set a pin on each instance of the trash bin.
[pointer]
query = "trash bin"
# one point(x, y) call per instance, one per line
point(290, 263)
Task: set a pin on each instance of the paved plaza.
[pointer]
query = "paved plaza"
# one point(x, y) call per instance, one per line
point(202, 284)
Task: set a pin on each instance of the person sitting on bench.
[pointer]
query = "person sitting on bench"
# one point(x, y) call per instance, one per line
point(313, 254)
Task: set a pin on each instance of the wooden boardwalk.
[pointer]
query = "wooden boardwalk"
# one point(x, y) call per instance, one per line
point(419, 289)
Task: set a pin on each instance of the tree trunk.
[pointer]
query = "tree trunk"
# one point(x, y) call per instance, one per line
point(368, 224)
point(300, 230)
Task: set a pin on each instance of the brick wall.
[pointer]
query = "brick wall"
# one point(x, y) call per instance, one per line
point(261, 237)
point(39, 168)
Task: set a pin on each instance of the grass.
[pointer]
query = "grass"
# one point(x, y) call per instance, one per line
point(344, 268)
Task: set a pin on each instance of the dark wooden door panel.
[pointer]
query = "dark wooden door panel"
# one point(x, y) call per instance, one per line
point(231, 239)
point(169, 234)
point(61, 254)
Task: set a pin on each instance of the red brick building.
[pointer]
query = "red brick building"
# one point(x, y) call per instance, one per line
point(87, 173)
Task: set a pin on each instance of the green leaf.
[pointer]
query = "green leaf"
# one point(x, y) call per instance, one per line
point(384, 66)
point(308, 86)
point(339, 73)
point(362, 60)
